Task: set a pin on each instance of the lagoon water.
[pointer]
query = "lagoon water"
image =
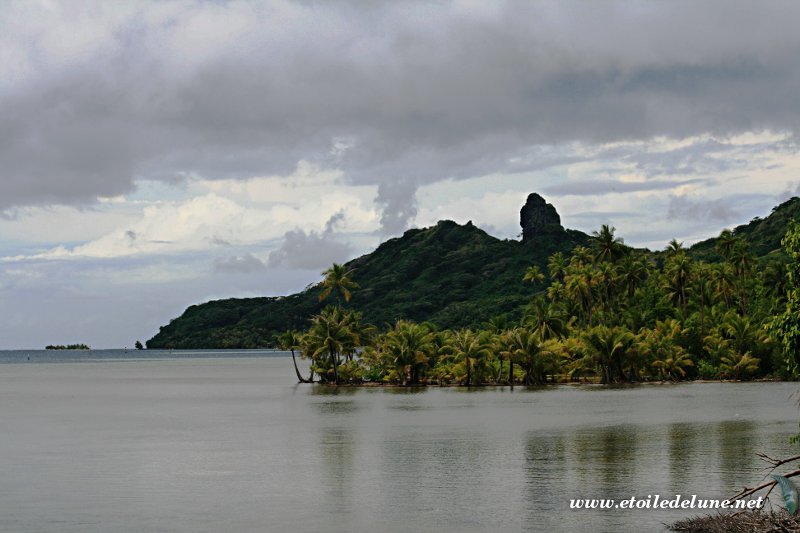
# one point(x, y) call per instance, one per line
point(217, 441)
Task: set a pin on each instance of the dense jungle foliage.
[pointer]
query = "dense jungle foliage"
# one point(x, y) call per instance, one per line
point(590, 308)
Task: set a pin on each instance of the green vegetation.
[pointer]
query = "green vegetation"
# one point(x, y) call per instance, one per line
point(454, 275)
point(67, 347)
point(610, 314)
point(448, 305)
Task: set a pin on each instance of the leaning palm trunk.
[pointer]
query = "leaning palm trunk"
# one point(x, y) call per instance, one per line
point(300, 378)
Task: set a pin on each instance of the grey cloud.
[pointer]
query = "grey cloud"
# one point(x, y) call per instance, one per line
point(599, 187)
point(789, 192)
point(399, 204)
point(312, 250)
point(424, 91)
point(718, 210)
point(245, 264)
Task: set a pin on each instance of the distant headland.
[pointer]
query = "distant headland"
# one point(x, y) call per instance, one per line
point(67, 347)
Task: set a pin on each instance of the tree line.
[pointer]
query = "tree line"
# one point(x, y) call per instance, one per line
point(603, 313)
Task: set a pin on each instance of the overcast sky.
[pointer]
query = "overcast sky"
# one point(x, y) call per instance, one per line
point(158, 154)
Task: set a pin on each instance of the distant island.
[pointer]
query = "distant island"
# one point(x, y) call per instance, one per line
point(67, 347)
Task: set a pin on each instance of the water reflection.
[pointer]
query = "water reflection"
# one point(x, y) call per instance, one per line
point(337, 451)
point(685, 454)
point(736, 451)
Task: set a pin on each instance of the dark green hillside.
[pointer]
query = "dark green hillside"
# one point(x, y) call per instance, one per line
point(762, 234)
point(450, 274)
point(453, 275)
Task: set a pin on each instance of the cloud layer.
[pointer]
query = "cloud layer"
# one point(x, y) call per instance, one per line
point(156, 154)
point(95, 96)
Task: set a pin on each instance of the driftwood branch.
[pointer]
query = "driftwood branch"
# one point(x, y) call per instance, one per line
point(747, 491)
point(775, 463)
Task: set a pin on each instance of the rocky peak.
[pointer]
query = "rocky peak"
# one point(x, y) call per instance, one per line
point(537, 217)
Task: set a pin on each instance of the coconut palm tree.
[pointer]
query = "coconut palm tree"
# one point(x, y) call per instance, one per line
point(533, 274)
point(473, 350)
point(678, 271)
point(557, 266)
point(606, 246)
point(723, 282)
point(290, 341)
point(609, 346)
point(726, 243)
point(410, 347)
point(674, 247)
point(633, 271)
point(526, 351)
point(338, 280)
point(326, 340)
point(546, 320)
point(738, 365)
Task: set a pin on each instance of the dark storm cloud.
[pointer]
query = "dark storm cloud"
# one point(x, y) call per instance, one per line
point(420, 91)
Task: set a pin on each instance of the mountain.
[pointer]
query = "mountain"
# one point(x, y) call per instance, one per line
point(453, 275)
point(762, 234)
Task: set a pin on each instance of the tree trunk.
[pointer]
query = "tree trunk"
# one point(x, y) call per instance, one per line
point(333, 361)
point(511, 371)
point(300, 378)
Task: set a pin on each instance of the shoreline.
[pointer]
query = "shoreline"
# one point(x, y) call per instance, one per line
point(375, 384)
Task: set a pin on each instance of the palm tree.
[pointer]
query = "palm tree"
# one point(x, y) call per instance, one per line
point(503, 347)
point(473, 349)
point(545, 319)
point(557, 266)
point(579, 287)
point(337, 279)
point(738, 365)
point(678, 271)
point(410, 347)
point(326, 340)
point(674, 247)
point(581, 255)
point(726, 242)
point(290, 340)
point(775, 283)
point(633, 271)
point(607, 247)
point(609, 347)
point(723, 282)
point(533, 274)
point(673, 365)
point(526, 351)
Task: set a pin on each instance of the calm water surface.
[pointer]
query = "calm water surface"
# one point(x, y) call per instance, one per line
point(204, 442)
